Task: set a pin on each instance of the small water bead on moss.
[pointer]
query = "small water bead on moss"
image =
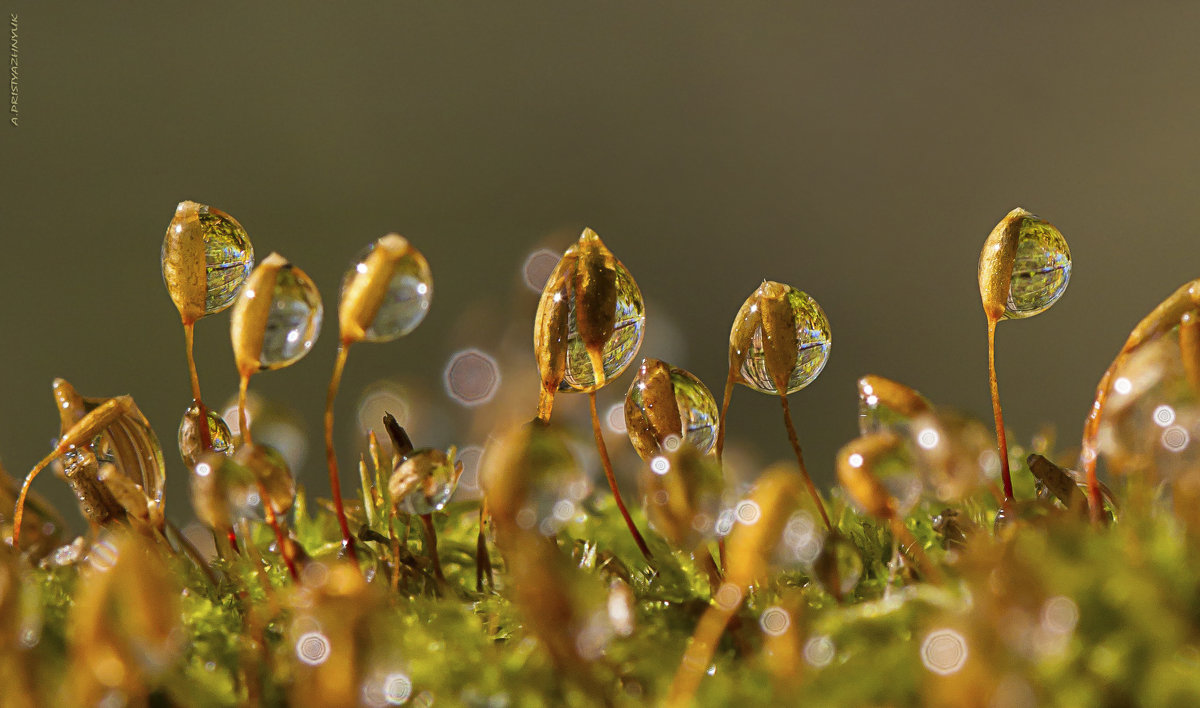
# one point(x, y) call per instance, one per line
point(282, 330)
point(590, 316)
point(813, 339)
point(666, 403)
point(397, 290)
point(424, 480)
point(622, 346)
point(191, 437)
point(1041, 269)
point(201, 239)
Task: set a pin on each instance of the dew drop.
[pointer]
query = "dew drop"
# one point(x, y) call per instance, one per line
point(190, 438)
point(407, 298)
point(423, 482)
point(654, 430)
point(294, 319)
point(622, 344)
point(1040, 271)
point(270, 470)
point(813, 340)
point(228, 253)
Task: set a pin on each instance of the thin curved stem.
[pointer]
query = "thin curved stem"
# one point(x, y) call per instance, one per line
point(699, 653)
point(280, 539)
point(243, 422)
point(431, 547)
point(1001, 443)
point(331, 455)
point(189, 329)
point(721, 421)
point(19, 512)
point(612, 480)
point(791, 431)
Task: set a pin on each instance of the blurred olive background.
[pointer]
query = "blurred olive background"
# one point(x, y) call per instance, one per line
point(860, 152)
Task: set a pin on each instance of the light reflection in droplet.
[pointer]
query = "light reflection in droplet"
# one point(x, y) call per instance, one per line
point(728, 596)
point(472, 377)
point(468, 483)
point(748, 512)
point(660, 465)
point(537, 268)
point(855, 460)
point(1164, 415)
point(775, 621)
point(928, 438)
point(1122, 385)
point(615, 419)
point(312, 648)
point(944, 651)
point(397, 688)
point(1175, 438)
point(819, 651)
point(1060, 615)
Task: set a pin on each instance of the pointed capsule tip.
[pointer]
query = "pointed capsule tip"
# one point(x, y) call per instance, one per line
point(1019, 211)
point(588, 235)
point(393, 243)
point(275, 260)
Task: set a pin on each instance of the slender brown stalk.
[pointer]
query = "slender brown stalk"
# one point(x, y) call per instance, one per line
point(20, 510)
point(483, 562)
point(243, 423)
point(791, 431)
point(331, 455)
point(612, 480)
point(721, 421)
point(281, 540)
point(189, 328)
point(699, 653)
point(1001, 443)
point(431, 547)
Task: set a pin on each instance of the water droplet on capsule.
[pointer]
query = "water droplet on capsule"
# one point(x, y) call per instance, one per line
point(407, 298)
point(294, 319)
point(191, 439)
point(1041, 269)
point(651, 421)
point(621, 347)
point(813, 340)
point(228, 253)
point(423, 482)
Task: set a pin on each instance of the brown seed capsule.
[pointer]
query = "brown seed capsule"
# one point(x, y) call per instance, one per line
point(276, 317)
point(589, 321)
point(205, 257)
point(996, 263)
point(682, 496)
point(272, 473)
point(371, 285)
point(780, 340)
point(529, 476)
point(1189, 347)
point(854, 463)
point(749, 547)
point(882, 402)
point(666, 405)
point(124, 627)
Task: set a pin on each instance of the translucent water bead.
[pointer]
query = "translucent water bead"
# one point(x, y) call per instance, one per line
point(282, 331)
point(191, 443)
point(621, 347)
point(407, 292)
point(1041, 266)
point(666, 405)
point(1151, 423)
point(813, 339)
point(424, 481)
point(228, 255)
point(270, 470)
